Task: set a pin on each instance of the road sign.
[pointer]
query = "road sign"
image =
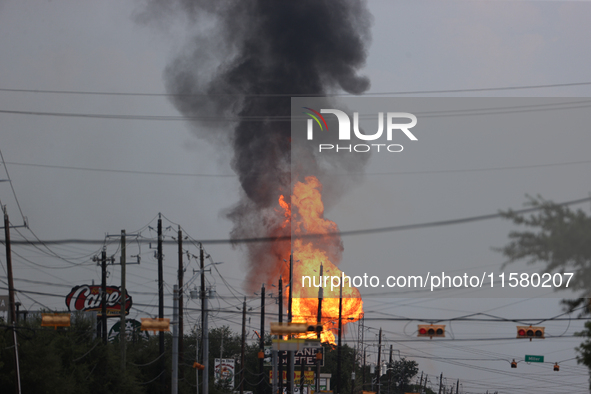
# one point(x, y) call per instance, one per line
point(306, 356)
point(4, 303)
point(295, 344)
point(534, 359)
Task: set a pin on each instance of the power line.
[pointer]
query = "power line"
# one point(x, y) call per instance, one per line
point(409, 92)
point(541, 165)
point(377, 230)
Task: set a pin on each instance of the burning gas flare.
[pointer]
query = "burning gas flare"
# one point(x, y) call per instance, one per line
point(306, 216)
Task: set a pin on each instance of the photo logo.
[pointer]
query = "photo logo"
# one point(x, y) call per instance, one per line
point(393, 123)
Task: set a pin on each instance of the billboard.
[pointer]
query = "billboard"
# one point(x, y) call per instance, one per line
point(224, 371)
point(88, 298)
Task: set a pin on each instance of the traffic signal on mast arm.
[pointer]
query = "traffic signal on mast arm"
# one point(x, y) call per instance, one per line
point(317, 328)
point(156, 324)
point(288, 328)
point(513, 364)
point(55, 320)
point(198, 366)
point(431, 330)
point(530, 332)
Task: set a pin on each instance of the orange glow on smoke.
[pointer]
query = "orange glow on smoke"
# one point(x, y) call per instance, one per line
point(306, 213)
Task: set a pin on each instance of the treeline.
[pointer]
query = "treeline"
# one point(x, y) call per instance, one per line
point(73, 360)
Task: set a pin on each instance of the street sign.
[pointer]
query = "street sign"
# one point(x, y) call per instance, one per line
point(295, 344)
point(4, 303)
point(306, 356)
point(534, 359)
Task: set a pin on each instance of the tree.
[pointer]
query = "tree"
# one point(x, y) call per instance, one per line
point(560, 238)
point(401, 373)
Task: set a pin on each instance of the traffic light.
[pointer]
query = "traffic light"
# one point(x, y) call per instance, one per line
point(513, 364)
point(156, 324)
point(530, 332)
point(556, 367)
point(431, 330)
point(198, 366)
point(288, 328)
point(55, 320)
point(317, 328)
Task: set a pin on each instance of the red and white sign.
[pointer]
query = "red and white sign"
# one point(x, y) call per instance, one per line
point(88, 298)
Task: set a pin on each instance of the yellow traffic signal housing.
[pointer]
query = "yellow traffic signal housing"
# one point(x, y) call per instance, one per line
point(530, 332)
point(156, 324)
point(198, 366)
point(317, 328)
point(55, 320)
point(556, 367)
point(513, 364)
point(431, 330)
point(288, 328)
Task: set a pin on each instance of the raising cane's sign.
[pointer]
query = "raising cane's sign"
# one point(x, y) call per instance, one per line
point(87, 298)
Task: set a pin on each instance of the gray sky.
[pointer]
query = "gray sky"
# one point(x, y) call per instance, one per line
point(416, 46)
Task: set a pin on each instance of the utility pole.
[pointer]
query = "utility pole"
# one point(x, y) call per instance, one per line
point(339, 357)
point(388, 371)
point(425, 384)
point(206, 344)
point(181, 290)
point(11, 298)
point(378, 367)
point(161, 303)
point(319, 321)
point(458, 387)
point(440, 382)
point(122, 333)
point(104, 295)
point(242, 349)
point(262, 343)
point(280, 373)
point(175, 341)
point(290, 353)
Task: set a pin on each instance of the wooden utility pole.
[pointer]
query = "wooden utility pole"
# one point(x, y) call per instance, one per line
point(122, 333)
point(440, 382)
point(12, 304)
point(161, 304)
point(379, 367)
point(280, 372)
point(104, 295)
point(242, 349)
point(262, 343)
point(180, 297)
point(319, 321)
point(339, 357)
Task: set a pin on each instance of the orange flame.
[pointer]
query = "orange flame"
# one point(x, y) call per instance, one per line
point(307, 217)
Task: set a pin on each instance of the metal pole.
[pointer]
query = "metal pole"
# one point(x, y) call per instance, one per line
point(122, 333)
point(175, 340)
point(196, 359)
point(206, 347)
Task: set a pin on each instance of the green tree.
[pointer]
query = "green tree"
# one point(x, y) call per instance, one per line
point(400, 373)
point(559, 237)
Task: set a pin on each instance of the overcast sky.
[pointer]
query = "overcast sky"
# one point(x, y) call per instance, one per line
point(54, 163)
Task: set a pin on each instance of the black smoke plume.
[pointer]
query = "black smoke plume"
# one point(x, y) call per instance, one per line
point(235, 75)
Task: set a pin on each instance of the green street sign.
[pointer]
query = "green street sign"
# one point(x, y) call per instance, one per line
point(534, 359)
